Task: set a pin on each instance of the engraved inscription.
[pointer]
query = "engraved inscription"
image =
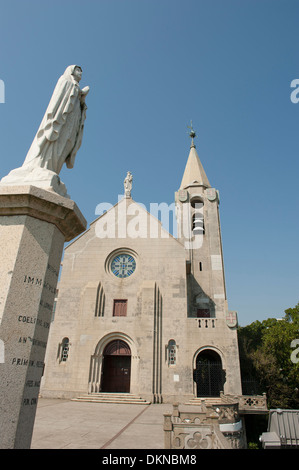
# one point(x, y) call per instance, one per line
point(32, 331)
point(35, 281)
point(34, 341)
point(29, 401)
point(34, 320)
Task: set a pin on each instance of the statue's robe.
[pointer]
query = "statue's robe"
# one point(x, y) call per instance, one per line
point(60, 133)
point(57, 140)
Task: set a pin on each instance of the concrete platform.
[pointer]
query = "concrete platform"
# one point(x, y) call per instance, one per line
point(66, 424)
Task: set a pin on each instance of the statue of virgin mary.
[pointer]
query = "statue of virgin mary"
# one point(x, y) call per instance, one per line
point(58, 138)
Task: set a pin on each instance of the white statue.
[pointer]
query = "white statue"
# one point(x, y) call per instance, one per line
point(128, 184)
point(58, 138)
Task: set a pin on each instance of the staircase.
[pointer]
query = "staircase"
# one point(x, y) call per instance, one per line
point(116, 398)
point(208, 401)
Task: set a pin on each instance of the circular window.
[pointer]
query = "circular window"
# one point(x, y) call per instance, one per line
point(123, 265)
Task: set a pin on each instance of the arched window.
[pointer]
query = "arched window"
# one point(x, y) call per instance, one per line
point(65, 346)
point(171, 352)
point(100, 302)
point(196, 202)
point(203, 309)
point(198, 225)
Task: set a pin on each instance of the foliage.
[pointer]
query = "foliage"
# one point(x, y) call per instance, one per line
point(252, 445)
point(265, 356)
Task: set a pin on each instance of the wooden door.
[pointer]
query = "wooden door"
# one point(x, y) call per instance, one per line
point(116, 370)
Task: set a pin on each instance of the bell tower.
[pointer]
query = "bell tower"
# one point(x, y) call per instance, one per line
point(197, 210)
point(197, 205)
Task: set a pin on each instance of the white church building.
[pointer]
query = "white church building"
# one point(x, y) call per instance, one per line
point(143, 314)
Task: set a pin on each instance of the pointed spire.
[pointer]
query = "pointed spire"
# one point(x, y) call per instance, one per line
point(194, 173)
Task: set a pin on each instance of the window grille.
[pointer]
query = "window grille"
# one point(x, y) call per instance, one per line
point(65, 346)
point(172, 352)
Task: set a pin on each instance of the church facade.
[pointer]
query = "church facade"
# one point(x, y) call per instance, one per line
point(141, 312)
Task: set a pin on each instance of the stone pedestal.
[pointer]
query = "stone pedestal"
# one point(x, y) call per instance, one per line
point(34, 224)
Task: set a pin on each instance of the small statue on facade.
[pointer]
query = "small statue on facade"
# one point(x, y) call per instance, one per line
point(58, 138)
point(128, 184)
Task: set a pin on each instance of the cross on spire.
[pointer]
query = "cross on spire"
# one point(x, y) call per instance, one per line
point(192, 134)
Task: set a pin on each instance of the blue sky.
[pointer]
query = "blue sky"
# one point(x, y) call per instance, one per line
point(152, 66)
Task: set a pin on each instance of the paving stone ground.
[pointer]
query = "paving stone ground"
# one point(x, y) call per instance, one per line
point(66, 424)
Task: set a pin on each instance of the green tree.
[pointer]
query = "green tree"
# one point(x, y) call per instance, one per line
point(265, 356)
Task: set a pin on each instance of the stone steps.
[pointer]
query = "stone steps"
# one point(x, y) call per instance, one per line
point(116, 398)
point(208, 401)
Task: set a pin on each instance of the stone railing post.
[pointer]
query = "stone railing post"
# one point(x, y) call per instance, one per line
point(167, 431)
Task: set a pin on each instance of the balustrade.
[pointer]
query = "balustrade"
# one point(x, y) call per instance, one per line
point(206, 322)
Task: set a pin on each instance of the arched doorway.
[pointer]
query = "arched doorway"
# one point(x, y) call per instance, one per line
point(116, 368)
point(208, 374)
